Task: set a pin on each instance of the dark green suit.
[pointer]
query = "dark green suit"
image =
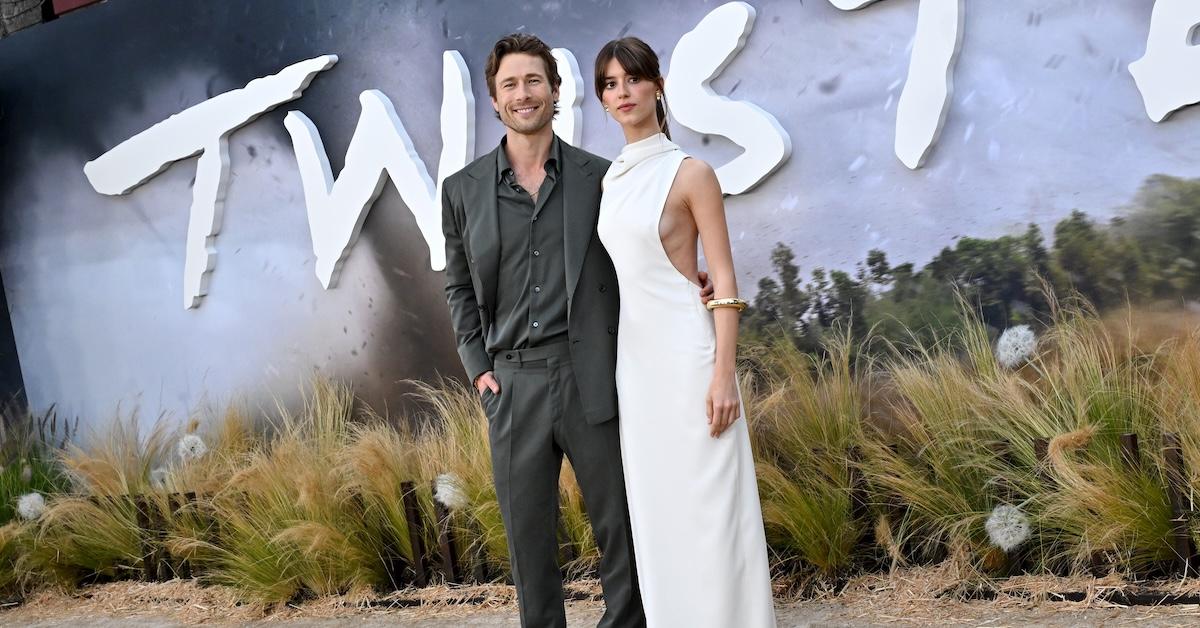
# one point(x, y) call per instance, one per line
point(553, 400)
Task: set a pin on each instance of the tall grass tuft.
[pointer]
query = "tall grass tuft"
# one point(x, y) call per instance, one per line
point(286, 526)
point(28, 461)
point(453, 443)
point(376, 462)
point(805, 426)
point(93, 531)
point(944, 459)
point(1094, 385)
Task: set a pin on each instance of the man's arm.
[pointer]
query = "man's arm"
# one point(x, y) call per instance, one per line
point(460, 296)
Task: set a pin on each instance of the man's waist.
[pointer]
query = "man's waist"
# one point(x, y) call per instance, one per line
point(542, 352)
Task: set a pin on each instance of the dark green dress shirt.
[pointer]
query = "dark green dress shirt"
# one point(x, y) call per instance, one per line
point(531, 302)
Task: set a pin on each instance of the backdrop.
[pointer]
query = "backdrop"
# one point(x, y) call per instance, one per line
point(1045, 118)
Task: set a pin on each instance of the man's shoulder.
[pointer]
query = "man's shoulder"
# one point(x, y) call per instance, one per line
point(477, 166)
point(582, 157)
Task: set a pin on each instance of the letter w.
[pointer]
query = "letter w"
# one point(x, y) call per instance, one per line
point(381, 146)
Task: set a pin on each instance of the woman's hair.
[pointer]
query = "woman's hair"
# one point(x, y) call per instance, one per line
point(638, 59)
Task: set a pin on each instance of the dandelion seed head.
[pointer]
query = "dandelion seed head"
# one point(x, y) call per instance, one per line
point(1016, 346)
point(448, 491)
point(1007, 527)
point(191, 447)
point(31, 506)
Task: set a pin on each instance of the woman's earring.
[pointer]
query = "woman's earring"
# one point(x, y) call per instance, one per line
point(660, 95)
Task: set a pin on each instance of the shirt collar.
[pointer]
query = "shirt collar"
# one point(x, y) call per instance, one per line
point(552, 161)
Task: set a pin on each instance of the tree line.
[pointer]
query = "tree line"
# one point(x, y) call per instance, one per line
point(1150, 253)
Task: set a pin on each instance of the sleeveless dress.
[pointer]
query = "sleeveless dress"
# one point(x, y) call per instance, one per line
point(698, 537)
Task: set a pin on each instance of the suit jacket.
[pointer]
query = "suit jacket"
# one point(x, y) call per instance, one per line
point(471, 226)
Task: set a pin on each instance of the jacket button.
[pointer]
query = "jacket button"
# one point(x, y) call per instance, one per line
point(507, 356)
point(603, 287)
point(612, 330)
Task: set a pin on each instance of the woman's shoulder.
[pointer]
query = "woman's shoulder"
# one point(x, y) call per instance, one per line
point(696, 174)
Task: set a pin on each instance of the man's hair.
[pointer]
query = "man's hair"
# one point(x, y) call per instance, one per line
point(522, 43)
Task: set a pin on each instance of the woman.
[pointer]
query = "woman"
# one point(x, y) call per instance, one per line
point(689, 474)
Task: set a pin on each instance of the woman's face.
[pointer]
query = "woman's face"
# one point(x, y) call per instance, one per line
point(630, 100)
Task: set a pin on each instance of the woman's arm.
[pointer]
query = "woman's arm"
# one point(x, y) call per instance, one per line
point(703, 198)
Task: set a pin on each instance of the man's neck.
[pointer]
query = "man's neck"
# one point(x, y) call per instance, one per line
point(528, 152)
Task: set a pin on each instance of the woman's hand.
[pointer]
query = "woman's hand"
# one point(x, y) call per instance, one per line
point(722, 403)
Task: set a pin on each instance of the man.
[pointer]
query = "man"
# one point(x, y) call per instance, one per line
point(534, 303)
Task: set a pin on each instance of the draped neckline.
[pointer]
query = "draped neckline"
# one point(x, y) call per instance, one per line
point(638, 152)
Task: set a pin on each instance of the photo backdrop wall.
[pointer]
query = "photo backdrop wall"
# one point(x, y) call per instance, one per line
point(189, 267)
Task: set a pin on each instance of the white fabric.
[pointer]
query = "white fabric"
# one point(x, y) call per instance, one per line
point(693, 500)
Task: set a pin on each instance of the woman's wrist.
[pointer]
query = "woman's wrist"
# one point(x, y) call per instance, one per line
point(724, 372)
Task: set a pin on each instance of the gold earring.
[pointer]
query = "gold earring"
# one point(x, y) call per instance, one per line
point(660, 95)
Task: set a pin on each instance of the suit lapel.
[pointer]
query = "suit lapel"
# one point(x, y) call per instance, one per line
point(483, 225)
point(581, 206)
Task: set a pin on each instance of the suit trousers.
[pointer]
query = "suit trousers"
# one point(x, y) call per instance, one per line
point(535, 419)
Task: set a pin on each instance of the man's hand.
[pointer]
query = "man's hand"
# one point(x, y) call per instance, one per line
point(487, 380)
point(706, 287)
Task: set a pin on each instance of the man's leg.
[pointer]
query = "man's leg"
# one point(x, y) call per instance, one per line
point(595, 454)
point(525, 466)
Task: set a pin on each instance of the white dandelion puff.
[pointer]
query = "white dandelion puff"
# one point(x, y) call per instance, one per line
point(448, 491)
point(191, 447)
point(1007, 527)
point(1016, 346)
point(31, 506)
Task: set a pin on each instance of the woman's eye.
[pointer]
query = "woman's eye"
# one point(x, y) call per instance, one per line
point(633, 79)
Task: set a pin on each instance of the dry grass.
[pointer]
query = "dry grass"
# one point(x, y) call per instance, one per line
point(314, 506)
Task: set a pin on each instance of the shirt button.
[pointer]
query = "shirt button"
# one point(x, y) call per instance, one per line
point(536, 253)
point(537, 288)
point(535, 324)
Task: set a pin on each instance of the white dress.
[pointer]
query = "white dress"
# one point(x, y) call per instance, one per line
point(697, 524)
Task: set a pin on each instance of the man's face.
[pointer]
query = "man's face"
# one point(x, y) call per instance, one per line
point(524, 97)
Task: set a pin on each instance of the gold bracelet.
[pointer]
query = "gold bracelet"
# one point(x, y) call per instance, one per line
point(734, 302)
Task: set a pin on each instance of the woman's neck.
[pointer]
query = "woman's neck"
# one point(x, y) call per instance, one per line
point(641, 132)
